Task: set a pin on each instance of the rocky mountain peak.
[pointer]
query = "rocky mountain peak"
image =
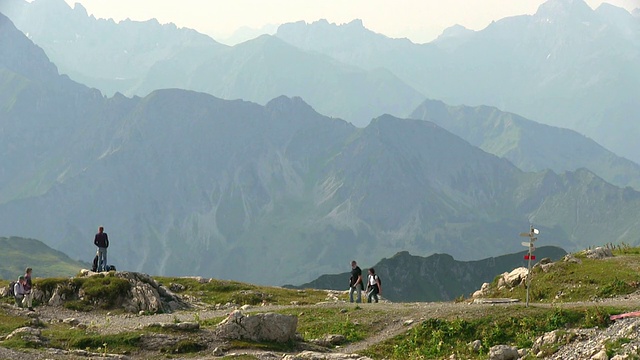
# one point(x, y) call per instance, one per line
point(564, 10)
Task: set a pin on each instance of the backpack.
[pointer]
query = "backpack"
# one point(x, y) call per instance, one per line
point(377, 277)
point(11, 292)
point(94, 267)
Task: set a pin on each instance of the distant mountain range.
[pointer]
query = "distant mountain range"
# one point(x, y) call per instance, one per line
point(136, 58)
point(186, 183)
point(567, 66)
point(438, 277)
point(352, 73)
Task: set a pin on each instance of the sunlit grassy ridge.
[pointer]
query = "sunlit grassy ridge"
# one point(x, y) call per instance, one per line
point(586, 279)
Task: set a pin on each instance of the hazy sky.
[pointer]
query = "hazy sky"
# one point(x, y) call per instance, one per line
point(419, 20)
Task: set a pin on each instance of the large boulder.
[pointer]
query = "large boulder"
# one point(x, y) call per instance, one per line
point(258, 327)
point(514, 278)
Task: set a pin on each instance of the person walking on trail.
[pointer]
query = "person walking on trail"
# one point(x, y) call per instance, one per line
point(28, 295)
point(355, 282)
point(374, 287)
point(18, 291)
point(102, 242)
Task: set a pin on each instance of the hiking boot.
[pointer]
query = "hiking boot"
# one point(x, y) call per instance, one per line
point(31, 309)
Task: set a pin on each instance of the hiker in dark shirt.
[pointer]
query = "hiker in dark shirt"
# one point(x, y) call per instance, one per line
point(102, 242)
point(355, 282)
point(28, 295)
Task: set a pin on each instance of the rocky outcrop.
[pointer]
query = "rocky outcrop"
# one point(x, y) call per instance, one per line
point(598, 253)
point(145, 294)
point(258, 327)
point(149, 296)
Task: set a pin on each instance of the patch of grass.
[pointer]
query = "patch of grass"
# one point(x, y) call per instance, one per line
point(613, 347)
point(64, 337)
point(8, 322)
point(184, 346)
point(223, 291)
point(354, 324)
point(439, 338)
point(212, 322)
point(78, 305)
point(264, 346)
point(48, 285)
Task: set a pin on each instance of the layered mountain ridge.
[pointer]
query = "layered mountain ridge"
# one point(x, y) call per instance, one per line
point(186, 183)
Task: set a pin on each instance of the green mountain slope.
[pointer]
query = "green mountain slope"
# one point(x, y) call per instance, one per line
point(19, 253)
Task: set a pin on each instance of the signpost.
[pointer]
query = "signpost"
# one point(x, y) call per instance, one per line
point(529, 244)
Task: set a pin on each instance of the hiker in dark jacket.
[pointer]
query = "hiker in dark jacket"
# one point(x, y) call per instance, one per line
point(28, 295)
point(355, 282)
point(102, 242)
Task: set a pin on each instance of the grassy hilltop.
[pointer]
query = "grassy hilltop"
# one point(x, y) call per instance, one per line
point(16, 254)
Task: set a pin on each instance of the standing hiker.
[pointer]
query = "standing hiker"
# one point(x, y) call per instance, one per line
point(28, 295)
point(355, 282)
point(102, 242)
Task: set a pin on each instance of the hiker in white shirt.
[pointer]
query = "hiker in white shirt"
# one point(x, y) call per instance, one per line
point(18, 291)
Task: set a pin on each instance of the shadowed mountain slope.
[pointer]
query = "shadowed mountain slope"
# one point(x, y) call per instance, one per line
point(529, 145)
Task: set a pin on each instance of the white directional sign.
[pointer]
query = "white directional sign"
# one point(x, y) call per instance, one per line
point(526, 244)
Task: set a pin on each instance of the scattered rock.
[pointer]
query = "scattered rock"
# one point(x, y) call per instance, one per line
point(598, 253)
point(475, 346)
point(503, 352)
point(330, 340)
